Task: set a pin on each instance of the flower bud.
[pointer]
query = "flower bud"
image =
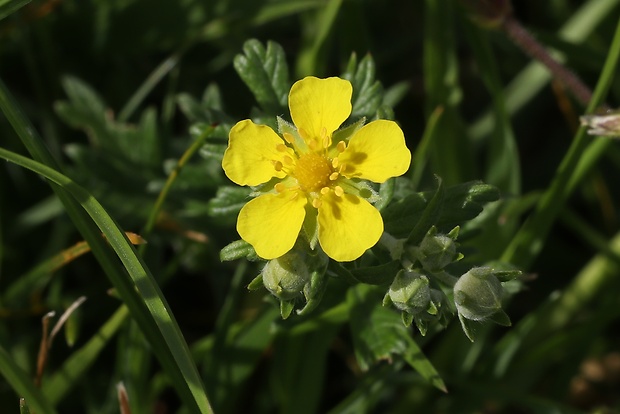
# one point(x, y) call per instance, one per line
point(607, 125)
point(478, 294)
point(286, 276)
point(437, 250)
point(409, 292)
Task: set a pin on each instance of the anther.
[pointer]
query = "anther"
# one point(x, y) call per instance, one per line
point(341, 146)
point(279, 187)
point(333, 176)
point(277, 165)
point(339, 191)
point(335, 163)
point(316, 203)
point(324, 137)
point(324, 190)
point(281, 147)
point(287, 160)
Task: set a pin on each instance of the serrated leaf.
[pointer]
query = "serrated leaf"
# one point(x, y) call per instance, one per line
point(238, 250)
point(378, 332)
point(228, 201)
point(367, 92)
point(418, 361)
point(265, 72)
point(462, 202)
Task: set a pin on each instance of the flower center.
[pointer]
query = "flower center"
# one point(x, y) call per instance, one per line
point(313, 172)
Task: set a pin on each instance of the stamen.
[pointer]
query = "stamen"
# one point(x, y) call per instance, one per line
point(333, 176)
point(324, 137)
point(339, 191)
point(341, 146)
point(316, 203)
point(295, 195)
point(324, 190)
point(279, 187)
point(335, 162)
point(281, 147)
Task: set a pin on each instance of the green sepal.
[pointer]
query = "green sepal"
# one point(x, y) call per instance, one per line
point(286, 308)
point(238, 250)
point(407, 318)
point(256, 283)
point(313, 292)
point(422, 325)
point(507, 275)
point(344, 134)
point(501, 318)
point(265, 72)
point(468, 328)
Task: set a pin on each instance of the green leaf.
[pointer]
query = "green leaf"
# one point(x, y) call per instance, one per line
point(367, 92)
point(228, 201)
point(418, 361)
point(238, 250)
point(429, 216)
point(265, 72)
point(461, 202)
point(378, 332)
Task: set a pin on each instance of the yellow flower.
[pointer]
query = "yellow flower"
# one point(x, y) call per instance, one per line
point(313, 174)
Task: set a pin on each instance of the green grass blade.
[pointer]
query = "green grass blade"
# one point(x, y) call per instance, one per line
point(8, 7)
point(503, 168)
point(23, 384)
point(581, 156)
point(451, 154)
point(421, 154)
point(73, 370)
point(308, 61)
point(149, 84)
point(147, 305)
point(156, 322)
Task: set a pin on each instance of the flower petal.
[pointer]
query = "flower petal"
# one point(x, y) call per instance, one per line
point(319, 103)
point(271, 222)
point(376, 152)
point(348, 226)
point(252, 153)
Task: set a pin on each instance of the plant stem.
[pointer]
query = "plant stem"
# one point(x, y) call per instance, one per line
point(528, 43)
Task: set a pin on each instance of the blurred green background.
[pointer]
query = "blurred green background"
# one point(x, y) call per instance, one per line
point(113, 88)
